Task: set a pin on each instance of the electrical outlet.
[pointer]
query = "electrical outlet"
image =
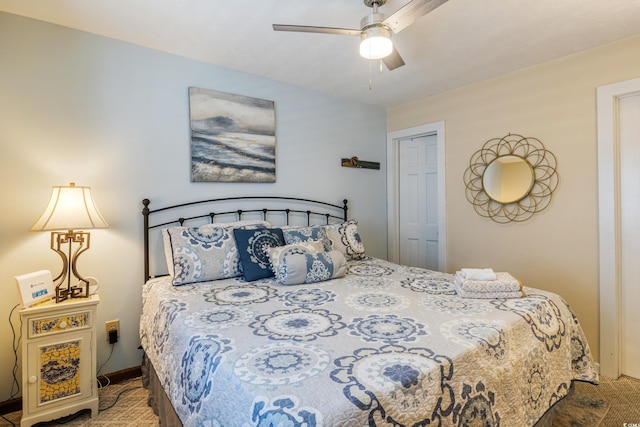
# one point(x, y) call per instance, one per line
point(112, 325)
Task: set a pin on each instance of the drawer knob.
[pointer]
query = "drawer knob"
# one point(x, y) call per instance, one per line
point(33, 379)
point(63, 324)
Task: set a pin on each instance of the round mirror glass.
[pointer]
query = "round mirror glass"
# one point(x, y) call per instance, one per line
point(508, 179)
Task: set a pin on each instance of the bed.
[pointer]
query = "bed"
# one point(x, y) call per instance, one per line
point(360, 342)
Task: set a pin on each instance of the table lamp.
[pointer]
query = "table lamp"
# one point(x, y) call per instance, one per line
point(70, 208)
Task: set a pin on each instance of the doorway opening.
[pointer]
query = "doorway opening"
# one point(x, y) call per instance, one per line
point(610, 223)
point(394, 201)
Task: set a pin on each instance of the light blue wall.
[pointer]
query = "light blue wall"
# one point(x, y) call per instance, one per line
point(114, 116)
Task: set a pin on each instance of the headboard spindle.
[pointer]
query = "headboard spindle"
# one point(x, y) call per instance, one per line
point(159, 223)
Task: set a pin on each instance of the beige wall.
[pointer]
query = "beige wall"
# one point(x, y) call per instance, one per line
point(555, 102)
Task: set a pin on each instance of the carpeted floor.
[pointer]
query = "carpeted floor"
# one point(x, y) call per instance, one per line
point(623, 397)
point(121, 405)
point(582, 410)
point(610, 404)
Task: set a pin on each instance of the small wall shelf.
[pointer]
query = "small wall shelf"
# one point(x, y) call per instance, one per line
point(354, 162)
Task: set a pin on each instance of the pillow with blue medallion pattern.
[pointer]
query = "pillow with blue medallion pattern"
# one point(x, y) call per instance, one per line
point(346, 239)
point(277, 254)
point(296, 269)
point(297, 234)
point(253, 248)
point(207, 252)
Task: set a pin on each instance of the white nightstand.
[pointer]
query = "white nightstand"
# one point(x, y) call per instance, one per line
point(59, 359)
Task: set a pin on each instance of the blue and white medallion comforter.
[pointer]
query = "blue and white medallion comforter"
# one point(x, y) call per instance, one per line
point(385, 345)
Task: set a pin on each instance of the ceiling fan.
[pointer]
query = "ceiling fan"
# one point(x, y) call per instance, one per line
point(376, 28)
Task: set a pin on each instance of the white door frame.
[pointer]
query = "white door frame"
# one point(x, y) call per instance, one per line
point(393, 179)
point(609, 221)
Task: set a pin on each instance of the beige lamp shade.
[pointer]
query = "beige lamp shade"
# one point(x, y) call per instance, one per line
point(70, 208)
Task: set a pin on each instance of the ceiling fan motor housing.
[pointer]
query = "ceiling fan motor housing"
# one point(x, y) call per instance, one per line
point(375, 39)
point(373, 20)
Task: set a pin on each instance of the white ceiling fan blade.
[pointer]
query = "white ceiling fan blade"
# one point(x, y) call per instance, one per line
point(393, 60)
point(321, 30)
point(410, 12)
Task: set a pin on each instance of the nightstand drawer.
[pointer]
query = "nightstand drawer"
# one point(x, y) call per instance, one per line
point(53, 324)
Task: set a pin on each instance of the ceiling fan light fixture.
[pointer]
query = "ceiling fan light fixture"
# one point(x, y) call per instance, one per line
point(376, 42)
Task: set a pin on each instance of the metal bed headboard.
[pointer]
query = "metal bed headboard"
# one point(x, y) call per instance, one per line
point(331, 212)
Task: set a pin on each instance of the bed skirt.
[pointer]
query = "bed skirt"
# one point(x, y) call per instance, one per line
point(557, 408)
point(162, 407)
point(158, 400)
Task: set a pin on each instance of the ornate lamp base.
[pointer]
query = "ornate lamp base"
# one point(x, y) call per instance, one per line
point(64, 289)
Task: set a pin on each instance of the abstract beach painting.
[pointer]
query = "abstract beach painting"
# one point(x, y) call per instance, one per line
point(233, 137)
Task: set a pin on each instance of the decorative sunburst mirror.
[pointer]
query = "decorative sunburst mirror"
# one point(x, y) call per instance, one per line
point(511, 178)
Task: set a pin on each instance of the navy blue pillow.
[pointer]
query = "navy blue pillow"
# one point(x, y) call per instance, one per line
point(253, 248)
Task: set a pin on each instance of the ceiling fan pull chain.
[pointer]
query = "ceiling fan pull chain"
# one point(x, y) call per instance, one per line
point(370, 76)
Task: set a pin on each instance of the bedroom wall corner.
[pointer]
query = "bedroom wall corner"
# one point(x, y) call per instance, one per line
point(77, 107)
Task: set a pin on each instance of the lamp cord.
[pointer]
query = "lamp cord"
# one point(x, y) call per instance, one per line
point(100, 385)
point(15, 384)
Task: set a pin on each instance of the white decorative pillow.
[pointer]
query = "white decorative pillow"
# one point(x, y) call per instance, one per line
point(296, 269)
point(276, 254)
point(345, 238)
point(207, 252)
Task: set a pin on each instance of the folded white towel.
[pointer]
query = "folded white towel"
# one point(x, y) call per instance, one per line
point(490, 295)
point(505, 286)
point(478, 274)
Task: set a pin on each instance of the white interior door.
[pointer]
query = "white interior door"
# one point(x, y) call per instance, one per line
point(418, 201)
point(629, 116)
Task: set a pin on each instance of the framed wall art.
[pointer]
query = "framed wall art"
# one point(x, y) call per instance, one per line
point(233, 137)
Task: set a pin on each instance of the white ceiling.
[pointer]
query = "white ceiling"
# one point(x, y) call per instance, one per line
point(461, 42)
